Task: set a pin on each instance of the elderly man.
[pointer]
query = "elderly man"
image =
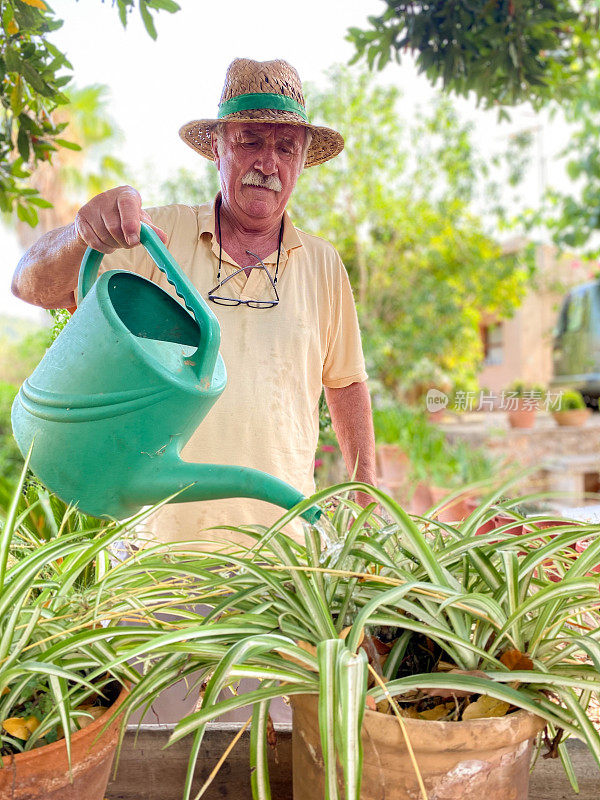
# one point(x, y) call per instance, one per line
point(282, 297)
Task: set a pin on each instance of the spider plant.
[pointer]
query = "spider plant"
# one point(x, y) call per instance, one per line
point(59, 619)
point(301, 617)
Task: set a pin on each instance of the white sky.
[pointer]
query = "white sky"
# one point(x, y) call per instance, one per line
point(158, 86)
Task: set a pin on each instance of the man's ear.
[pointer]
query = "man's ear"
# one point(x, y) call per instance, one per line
point(215, 148)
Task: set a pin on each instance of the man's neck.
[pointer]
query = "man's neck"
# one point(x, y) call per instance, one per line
point(237, 237)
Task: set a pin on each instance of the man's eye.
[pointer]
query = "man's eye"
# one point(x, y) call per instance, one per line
point(250, 144)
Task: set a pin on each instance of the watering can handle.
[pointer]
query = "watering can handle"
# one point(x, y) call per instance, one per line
point(210, 332)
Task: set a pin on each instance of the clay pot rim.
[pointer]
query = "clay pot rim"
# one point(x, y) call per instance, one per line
point(89, 731)
point(566, 414)
point(514, 727)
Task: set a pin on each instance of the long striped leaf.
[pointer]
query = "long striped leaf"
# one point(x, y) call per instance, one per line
point(328, 653)
point(352, 686)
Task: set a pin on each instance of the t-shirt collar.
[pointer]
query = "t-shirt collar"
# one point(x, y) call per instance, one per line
point(207, 224)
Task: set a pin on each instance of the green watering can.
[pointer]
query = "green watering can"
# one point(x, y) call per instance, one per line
point(122, 389)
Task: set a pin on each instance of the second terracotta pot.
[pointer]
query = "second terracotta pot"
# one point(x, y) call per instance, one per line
point(483, 759)
point(43, 773)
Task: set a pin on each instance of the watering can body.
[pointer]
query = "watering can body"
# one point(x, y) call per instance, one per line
point(120, 392)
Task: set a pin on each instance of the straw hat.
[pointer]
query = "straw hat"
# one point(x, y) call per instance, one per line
point(263, 91)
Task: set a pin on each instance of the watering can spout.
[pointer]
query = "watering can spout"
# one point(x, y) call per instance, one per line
point(194, 482)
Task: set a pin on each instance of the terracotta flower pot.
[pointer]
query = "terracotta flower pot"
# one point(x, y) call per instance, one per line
point(572, 417)
point(522, 416)
point(454, 510)
point(496, 521)
point(392, 469)
point(483, 758)
point(43, 773)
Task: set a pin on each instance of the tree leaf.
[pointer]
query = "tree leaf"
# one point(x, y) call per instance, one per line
point(147, 19)
point(36, 4)
point(23, 144)
point(69, 145)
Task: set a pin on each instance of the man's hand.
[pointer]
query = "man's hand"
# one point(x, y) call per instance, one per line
point(112, 219)
point(47, 273)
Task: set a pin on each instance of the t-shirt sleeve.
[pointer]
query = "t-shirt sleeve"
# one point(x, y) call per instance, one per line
point(344, 361)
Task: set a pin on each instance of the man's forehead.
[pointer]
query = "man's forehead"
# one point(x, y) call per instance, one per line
point(278, 129)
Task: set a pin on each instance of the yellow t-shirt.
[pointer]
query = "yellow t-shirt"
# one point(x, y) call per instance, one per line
point(277, 360)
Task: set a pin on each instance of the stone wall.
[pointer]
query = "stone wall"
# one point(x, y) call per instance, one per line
point(556, 454)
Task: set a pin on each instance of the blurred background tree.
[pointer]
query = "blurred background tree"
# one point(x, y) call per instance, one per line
point(398, 204)
point(77, 174)
point(33, 75)
point(506, 51)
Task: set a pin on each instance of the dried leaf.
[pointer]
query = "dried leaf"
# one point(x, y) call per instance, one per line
point(307, 647)
point(15, 726)
point(514, 659)
point(84, 720)
point(444, 693)
point(271, 734)
point(437, 712)
point(371, 704)
point(345, 631)
point(485, 706)
point(552, 744)
point(410, 712)
point(32, 723)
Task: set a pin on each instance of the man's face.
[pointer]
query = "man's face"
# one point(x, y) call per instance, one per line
point(258, 153)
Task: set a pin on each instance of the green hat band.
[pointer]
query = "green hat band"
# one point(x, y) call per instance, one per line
point(247, 102)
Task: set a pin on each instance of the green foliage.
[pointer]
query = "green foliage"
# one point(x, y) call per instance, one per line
point(432, 457)
point(571, 400)
point(304, 618)
point(33, 75)
point(505, 52)
point(573, 216)
point(11, 462)
point(521, 389)
point(19, 356)
point(397, 205)
point(62, 608)
point(186, 187)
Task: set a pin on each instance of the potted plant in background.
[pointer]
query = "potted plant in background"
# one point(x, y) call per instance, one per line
point(393, 464)
point(523, 401)
point(572, 409)
point(420, 658)
point(424, 376)
point(59, 615)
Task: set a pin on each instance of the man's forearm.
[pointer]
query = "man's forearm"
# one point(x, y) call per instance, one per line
point(47, 273)
point(352, 419)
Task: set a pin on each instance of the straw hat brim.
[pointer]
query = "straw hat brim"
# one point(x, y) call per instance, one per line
point(325, 144)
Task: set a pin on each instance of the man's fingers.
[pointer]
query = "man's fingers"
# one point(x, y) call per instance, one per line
point(129, 205)
point(162, 235)
point(159, 231)
point(89, 237)
point(102, 233)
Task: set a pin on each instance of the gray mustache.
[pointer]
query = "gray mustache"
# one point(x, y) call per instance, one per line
point(255, 178)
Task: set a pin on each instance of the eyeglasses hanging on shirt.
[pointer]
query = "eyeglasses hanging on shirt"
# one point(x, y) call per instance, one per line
point(215, 295)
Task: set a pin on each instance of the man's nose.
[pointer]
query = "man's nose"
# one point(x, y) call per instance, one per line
point(266, 161)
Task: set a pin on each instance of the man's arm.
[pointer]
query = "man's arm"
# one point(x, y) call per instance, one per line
point(350, 409)
point(47, 274)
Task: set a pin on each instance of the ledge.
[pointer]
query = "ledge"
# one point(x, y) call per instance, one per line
point(147, 772)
